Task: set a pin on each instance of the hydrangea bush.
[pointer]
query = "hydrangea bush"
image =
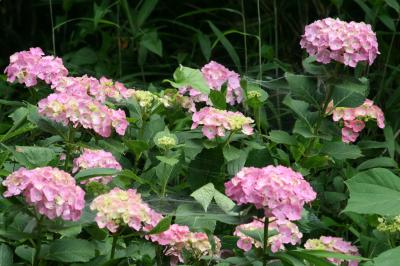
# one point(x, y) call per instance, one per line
point(195, 172)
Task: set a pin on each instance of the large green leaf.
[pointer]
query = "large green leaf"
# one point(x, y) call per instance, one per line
point(186, 76)
point(6, 255)
point(302, 87)
point(376, 191)
point(390, 257)
point(281, 137)
point(32, 157)
point(204, 195)
point(162, 226)
point(341, 151)
point(92, 172)
point(71, 250)
point(350, 93)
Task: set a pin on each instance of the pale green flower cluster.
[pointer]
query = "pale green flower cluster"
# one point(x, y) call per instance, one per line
point(389, 225)
point(146, 99)
point(253, 94)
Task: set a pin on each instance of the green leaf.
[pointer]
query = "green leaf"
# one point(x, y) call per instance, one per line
point(152, 42)
point(71, 250)
point(341, 151)
point(311, 65)
point(168, 160)
point(144, 11)
point(186, 76)
point(137, 146)
point(32, 157)
point(333, 255)
point(376, 191)
point(162, 226)
point(231, 153)
point(302, 87)
point(390, 257)
point(257, 234)
point(204, 195)
point(281, 137)
point(84, 56)
point(92, 172)
point(390, 140)
point(227, 45)
point(300, 108)
point(205, 45)
point(185, 216)
point(6, 255)
point(377, 162)
point(225, 203)
point(393, 4)
point(350, 93)
point(218, 99)
point(388, 21)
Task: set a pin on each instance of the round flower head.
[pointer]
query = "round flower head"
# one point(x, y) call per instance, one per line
point(51, 191)
point(96, 159)
point(83, 111)
point(354, 118)
point(145, 99)
point(179, 238)
point(120, 207)
point(345, 42)
point(287, 233)
point(28, 66)
point(334, 244)
point(217, 75)
point(279, 190)
point(215, 122)
point(389, 224)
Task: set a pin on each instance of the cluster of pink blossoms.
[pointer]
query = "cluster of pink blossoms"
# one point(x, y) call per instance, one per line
point(354, 119)
point(178, 238)
point(215, 122)
point(28, 66)
point(51, 191)
point(217, 75)
point(288, 233)
point(83, 111)
point(279, 190)
point(332, 39)
point(119, 207)
point(334, 244)
point(100, 90)
point(96, 159)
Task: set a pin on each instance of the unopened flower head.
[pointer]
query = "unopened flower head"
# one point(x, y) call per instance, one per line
point(346, 42)
point(391, 225)
point(354, 119)
point(83, 111)
point(279, 190)
point(96, 159)
point(51, 191)
point(334, 244)
point(120, 207)
point(216, 122)
point(287, 233)
point(145, 99)
point(179, 238)
point(27, 67)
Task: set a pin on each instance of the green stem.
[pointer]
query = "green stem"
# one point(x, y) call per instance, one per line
point(259, 40)
point(265, 254)
point(69, 142)
point(244, 36)
point(114, 245)
point(38, 244)
point(228, 139)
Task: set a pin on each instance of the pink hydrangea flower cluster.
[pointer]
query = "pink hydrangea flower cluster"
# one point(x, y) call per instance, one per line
point(51, 191)
point(332, 39)
point(334, 244)
point(119, 207)
point(96, 159)
point(178, 238)
point(83, 111)
point(28, 66)
point(354, 119)
point(279, 190)
point(217, 75)
point(288, 233)
point(216, 122)
point(101, 90)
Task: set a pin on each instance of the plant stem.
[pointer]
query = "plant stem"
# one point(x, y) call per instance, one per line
point(244, 36)
point(114, 245)
point(265, 254)
point(259, 40)
point(228, 139)
point(53, 38)
point(38, 245)
point(70, 139)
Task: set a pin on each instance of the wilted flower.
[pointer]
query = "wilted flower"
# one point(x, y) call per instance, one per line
point(215, 122)
point(287, 233)
point(334, 244)
point(179, 238)
point(28, 66)
point(96, 159)
point(83, 111)
point(120, 207)
point(51, 191)
point(332, 39)
point(279, 190)
point(354, 118)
